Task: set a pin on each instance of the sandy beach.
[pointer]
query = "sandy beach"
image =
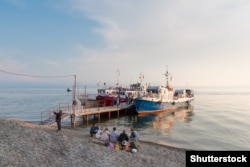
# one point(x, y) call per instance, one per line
point(26, 144)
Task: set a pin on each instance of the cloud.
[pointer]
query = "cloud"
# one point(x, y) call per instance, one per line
point(196, 39)
point(194, 34)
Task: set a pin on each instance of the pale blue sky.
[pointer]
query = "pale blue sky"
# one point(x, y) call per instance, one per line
point(204, 43)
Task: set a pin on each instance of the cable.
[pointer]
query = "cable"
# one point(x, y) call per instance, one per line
point(35, 76)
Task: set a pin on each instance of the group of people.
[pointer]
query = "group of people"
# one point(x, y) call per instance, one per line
point(113, 137)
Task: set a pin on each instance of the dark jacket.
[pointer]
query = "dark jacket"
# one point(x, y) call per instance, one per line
point(123, 136)
point(58, 116)
point(94, 129)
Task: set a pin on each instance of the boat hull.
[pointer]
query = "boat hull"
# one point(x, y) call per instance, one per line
point(151, 107)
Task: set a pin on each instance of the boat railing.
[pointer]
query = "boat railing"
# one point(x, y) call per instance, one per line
point(88, 96)
point(150, 95)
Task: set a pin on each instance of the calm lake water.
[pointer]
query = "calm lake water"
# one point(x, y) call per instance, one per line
point(219, 118)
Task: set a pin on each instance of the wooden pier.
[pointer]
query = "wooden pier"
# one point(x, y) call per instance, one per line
point(71, 113)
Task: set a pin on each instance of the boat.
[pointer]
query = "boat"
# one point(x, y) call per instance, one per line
point(69, 89)
point(109, 96)
point(113, 95)
point(163, 98)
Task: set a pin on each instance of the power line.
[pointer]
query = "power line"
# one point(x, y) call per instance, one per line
point(34, 76)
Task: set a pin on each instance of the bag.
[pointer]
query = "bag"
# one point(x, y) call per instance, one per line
point(106, 144)
point(117, 147)
point(124, 143)
point(111, 145)
point(127, 148)
point(133, 150)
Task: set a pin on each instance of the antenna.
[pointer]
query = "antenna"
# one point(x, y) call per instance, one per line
point(141, 77)
point(118, 74)
point(166, 75)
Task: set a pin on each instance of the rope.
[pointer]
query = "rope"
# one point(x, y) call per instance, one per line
point(35, 76)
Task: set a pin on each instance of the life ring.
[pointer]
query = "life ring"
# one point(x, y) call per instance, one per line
point(74, 102)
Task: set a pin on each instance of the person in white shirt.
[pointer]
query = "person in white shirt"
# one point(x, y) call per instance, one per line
point(105, 135)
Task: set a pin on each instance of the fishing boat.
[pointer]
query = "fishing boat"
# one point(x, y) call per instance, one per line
point(162, 98)
point(113, 95)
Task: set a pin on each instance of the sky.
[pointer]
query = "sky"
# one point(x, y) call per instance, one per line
point(201, 43)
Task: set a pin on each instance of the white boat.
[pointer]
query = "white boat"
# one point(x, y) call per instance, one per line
point(163, 98)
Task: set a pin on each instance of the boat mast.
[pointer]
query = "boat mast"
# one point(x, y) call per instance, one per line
point(118, 74)
point(167, 81)
point(141, 77)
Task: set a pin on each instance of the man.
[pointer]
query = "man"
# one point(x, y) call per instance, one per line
point(93, 130)
point(58, 119)
point(134, 135)
point(113, 136)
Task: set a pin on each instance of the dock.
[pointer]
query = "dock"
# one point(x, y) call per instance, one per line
point(71, 112)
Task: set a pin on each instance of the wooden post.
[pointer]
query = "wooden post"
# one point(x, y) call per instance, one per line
point(118, 113)
point(99, 117)
point(109, 115)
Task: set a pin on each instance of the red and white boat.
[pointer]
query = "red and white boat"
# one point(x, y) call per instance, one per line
point(113, 96)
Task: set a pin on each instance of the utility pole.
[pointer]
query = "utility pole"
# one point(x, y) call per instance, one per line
point(73, 116)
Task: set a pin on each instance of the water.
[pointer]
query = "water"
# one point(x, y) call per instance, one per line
point(219, 118)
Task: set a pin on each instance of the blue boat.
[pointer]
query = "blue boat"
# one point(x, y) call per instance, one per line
point(162, 98)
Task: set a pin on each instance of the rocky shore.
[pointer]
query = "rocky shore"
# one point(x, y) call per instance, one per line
point(25, 144)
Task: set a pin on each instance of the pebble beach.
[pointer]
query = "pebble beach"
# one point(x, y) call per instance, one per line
point(26, 144)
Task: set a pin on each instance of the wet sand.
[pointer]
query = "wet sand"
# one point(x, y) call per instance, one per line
point(26, 144)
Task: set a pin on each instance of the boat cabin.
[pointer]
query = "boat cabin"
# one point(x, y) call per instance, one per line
point(182, 93)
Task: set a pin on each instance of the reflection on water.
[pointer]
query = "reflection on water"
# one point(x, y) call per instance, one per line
point(164, 122)
point(150, 127)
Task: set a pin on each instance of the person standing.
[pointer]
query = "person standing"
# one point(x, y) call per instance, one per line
point(58, 119)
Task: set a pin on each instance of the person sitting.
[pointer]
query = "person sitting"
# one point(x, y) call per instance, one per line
point(134, 135)
point(98, 135)
point(123, 139)
point(105, 135)
point(93, 130)
point(113, 136)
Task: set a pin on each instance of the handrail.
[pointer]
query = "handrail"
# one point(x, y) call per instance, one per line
point(67, 108)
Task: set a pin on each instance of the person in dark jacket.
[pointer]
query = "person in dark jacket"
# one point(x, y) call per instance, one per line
point(123, 136)
point(58, 119)
point(123, 139)
point(93, 130)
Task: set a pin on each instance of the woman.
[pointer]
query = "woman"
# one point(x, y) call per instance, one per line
point(105, 135)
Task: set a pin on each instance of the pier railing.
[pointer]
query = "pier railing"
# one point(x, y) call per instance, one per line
point(48, 116)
